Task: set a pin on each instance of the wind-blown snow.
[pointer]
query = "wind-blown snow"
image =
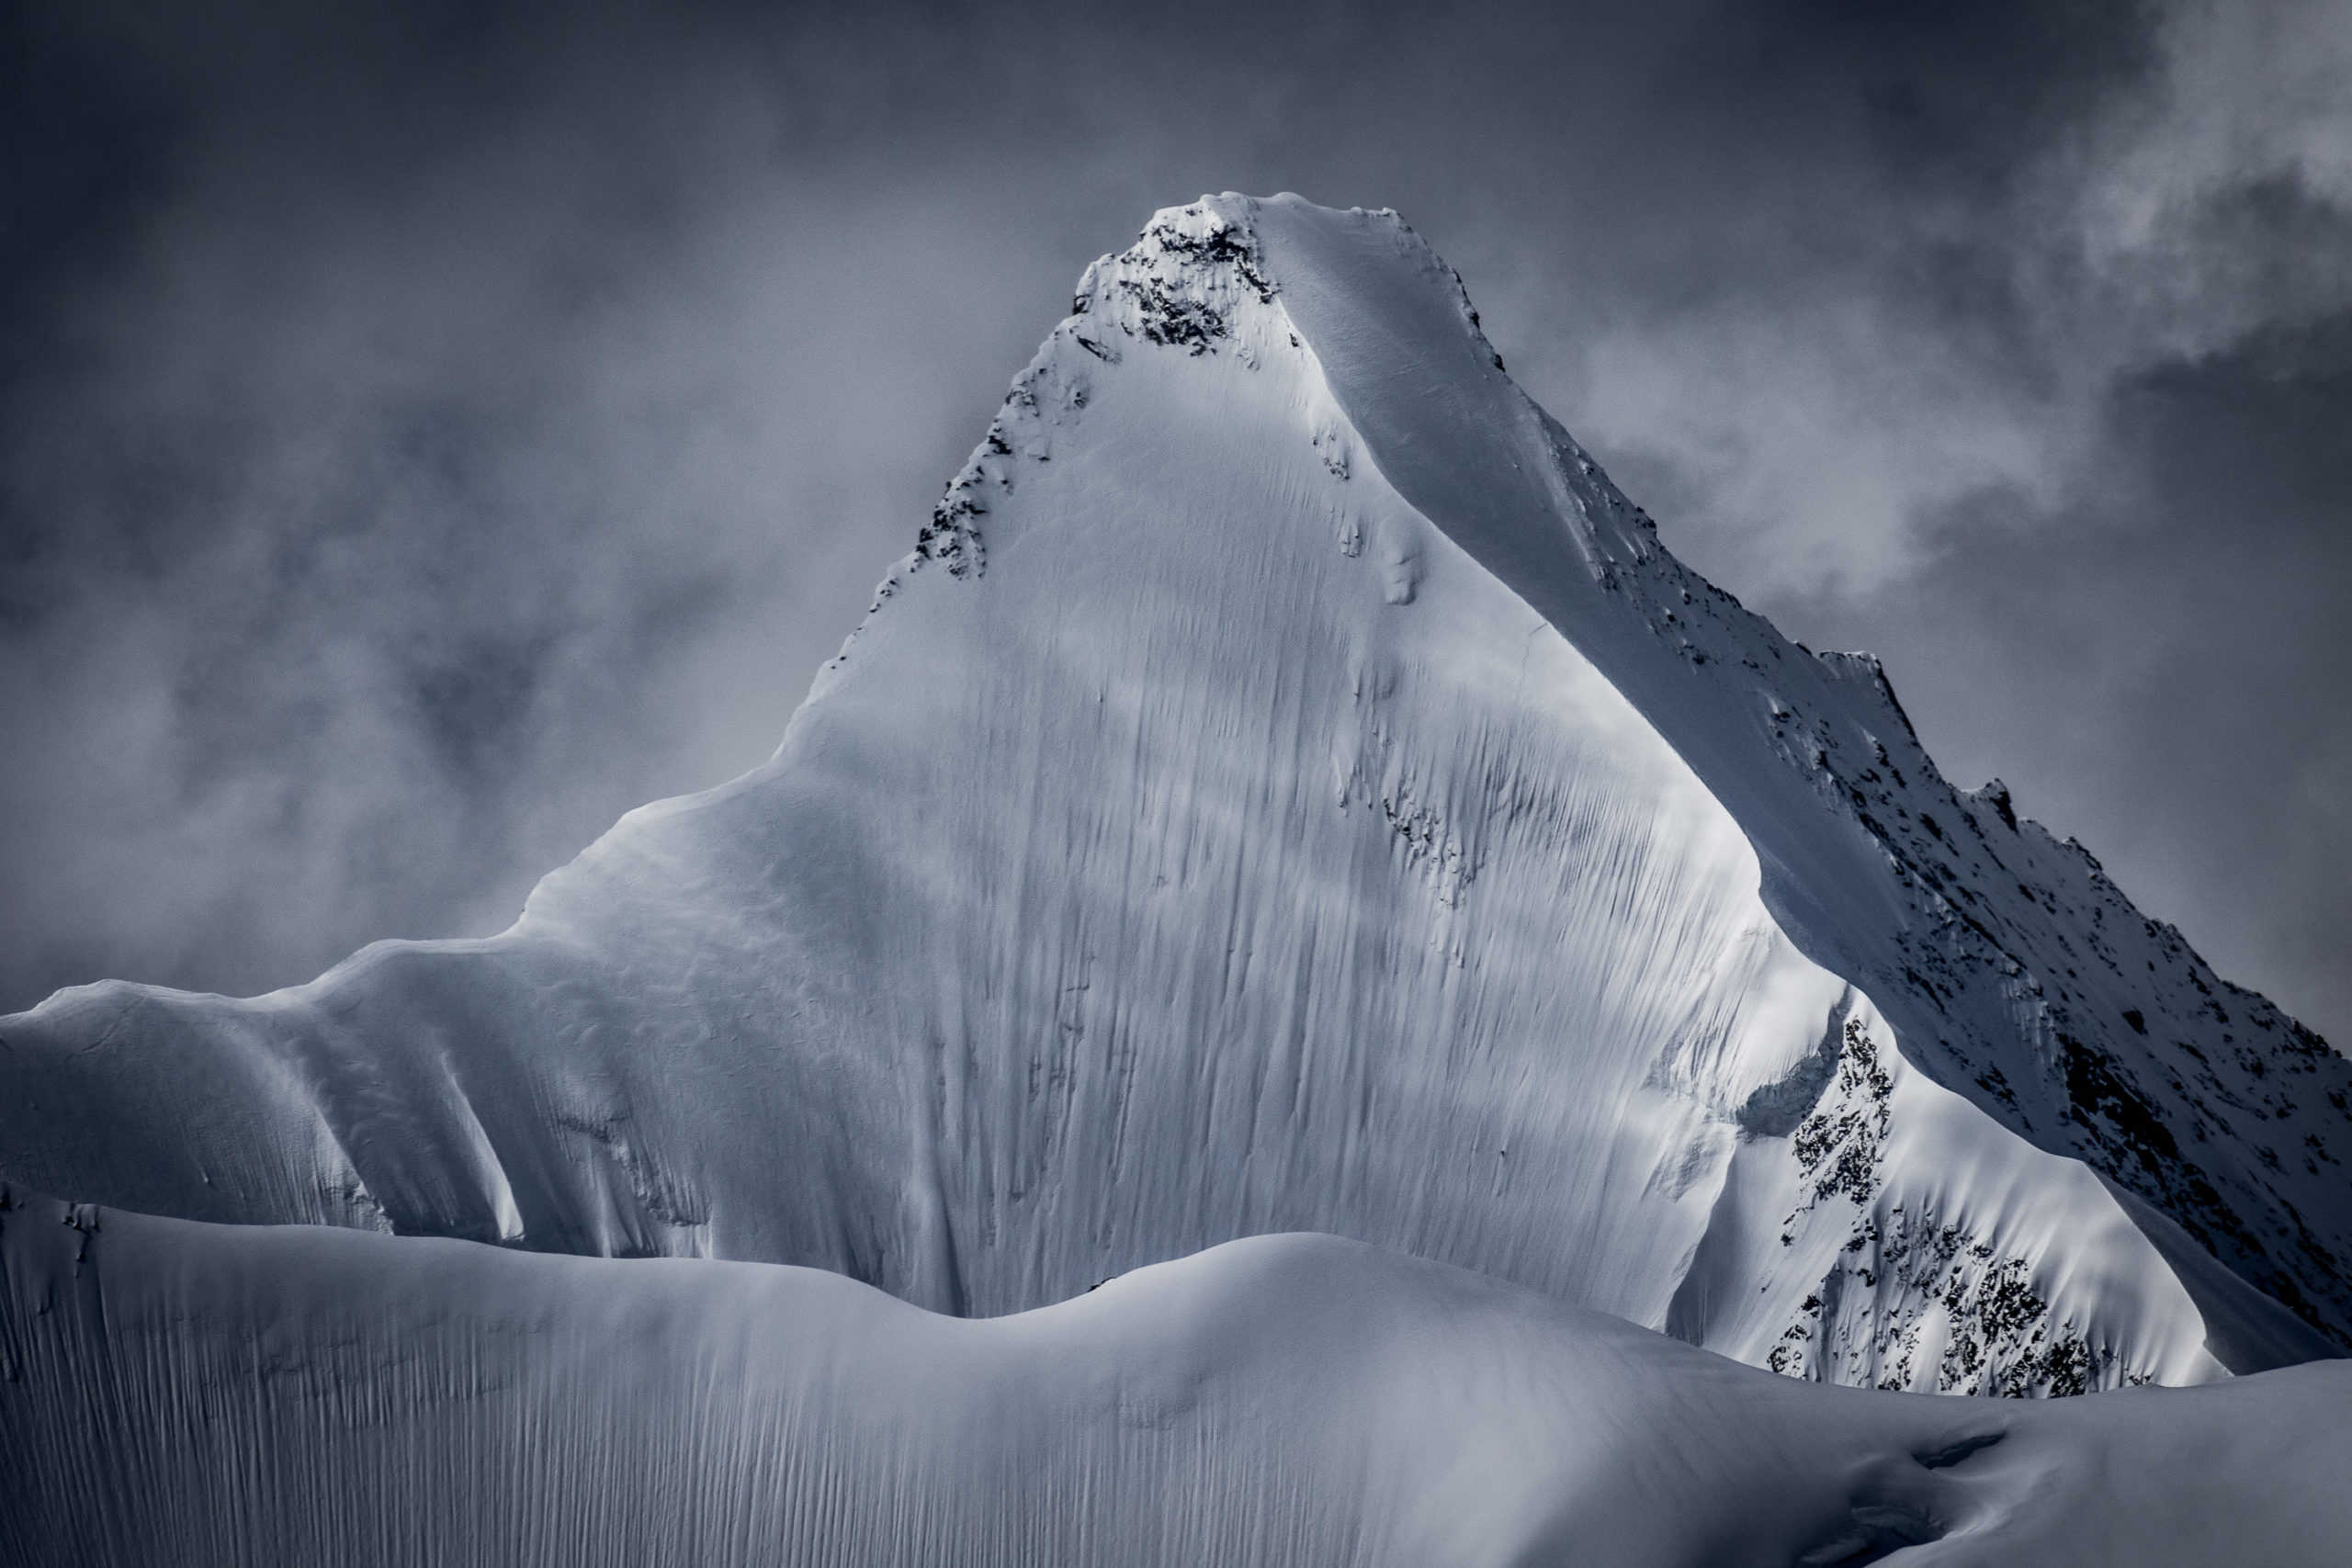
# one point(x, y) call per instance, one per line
point(1289, 789)
point(179, 1394)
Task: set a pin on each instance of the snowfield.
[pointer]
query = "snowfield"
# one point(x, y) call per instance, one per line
point(183, 1393)
point(1288, 789)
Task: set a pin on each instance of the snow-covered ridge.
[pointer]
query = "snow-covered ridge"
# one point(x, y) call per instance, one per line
point(2014, 970)
point(1288, 788)
point(183, 1393)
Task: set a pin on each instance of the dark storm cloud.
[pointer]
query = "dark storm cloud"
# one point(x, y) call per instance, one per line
point(438, 428)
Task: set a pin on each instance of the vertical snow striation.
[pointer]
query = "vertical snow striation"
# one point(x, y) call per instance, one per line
point(1306, 797)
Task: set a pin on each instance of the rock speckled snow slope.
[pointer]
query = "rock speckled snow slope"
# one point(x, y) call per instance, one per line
point(1290, 789)
point(178, 1394)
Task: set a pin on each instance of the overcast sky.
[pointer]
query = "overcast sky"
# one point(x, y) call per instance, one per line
point(428, 430)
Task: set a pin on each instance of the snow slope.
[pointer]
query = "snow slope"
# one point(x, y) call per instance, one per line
point(1290, 789)
point(180, 1393)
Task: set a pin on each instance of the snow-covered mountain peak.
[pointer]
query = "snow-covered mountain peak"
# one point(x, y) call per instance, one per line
point(1289, 787)
point(1940, 899)
point(1179, 285)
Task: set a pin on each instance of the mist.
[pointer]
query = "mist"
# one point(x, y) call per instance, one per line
point(432, 430)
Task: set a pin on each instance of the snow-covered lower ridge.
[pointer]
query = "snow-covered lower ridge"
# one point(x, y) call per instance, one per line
point(185, 1393)
point(1289, 789)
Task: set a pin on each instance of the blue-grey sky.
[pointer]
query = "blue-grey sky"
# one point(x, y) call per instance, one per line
point(429, 430)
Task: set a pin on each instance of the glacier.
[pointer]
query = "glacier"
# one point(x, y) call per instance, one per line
point(1288, 789)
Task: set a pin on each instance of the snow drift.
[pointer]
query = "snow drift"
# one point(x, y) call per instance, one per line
point(181, 1394)
point(1289, 789)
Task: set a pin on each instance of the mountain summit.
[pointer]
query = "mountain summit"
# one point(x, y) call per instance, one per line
point(1290, 788)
